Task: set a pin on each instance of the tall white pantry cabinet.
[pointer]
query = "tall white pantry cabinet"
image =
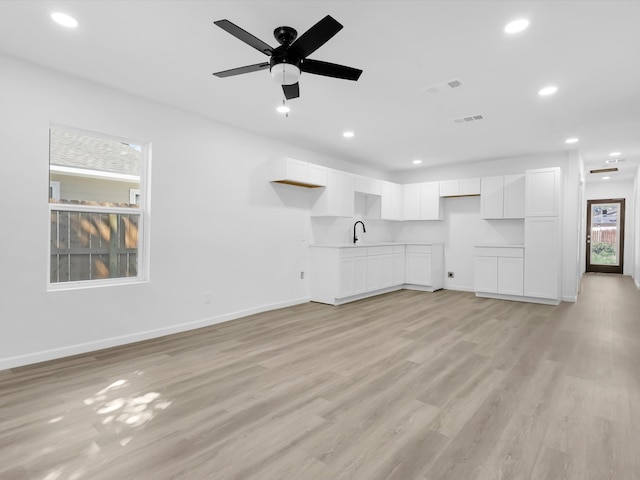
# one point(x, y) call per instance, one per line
point(542, 234)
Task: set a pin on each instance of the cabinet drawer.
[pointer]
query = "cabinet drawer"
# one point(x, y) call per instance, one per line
point(353, 252)
point(499, 252)
point(380, 250)
point(418, 248)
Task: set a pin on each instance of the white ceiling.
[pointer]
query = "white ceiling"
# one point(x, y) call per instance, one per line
point(167, 50)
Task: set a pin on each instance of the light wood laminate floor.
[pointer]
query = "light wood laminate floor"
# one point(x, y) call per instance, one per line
point(404, 386)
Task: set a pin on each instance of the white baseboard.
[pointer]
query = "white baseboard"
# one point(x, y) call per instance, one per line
point(516, 298)
point(460, 289)
point(570, 298)
point(67, 351)
point(635, 280)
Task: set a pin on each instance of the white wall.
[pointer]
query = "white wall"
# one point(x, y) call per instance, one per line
point(217, 224)
point(604, 189)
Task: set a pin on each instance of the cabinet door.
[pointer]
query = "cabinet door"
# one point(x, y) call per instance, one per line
point(411, 201)
point(542, 192)
point(418, 268)
point(398, 268)
point(514, 196)
point(347, 275)
point(485, 274)
point(317, 175)
point(374, 273)
point(449, 188)
point(469, 186)
point(510, 276)
point(391, 207)
point(541, 257)
point(430, 206)
point(491, 197)
point(352, 276)
point(297, 170)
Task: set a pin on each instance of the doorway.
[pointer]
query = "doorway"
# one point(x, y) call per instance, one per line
point(605, 235)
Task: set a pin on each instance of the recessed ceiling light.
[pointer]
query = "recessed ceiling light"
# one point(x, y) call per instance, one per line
point(606, 178)
point(64, 20)
point(550, 90)
point(516, 26)
point(615, 154)
point(571, 140)
point(283, 109)
point(417, 162)
point(348, 134)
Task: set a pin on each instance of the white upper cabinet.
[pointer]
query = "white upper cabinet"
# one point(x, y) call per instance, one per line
point(460, 188)
point(338, 198)
point(430, 204)
point(296, 172)
point(502, 197)
point(411, 201)
point(392, 203)
point(492, 197)
point(542, 192)
point(422, 201)
point(369, 186)
point(514, 196)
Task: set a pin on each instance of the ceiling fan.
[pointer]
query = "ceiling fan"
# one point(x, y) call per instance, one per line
point(289, 60)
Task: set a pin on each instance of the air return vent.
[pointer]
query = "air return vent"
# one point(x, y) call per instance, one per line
point(470, 118)
point(444, 86)
point(604, 170)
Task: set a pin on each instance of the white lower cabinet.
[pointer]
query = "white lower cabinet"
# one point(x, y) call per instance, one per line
point(341, 274)
point(485, 274)
point(542, 259)
point(424, 266)
point(398, 264)
point(353, 272)
point(499, 270)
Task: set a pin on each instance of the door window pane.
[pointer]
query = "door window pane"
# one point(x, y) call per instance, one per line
point(605, 234)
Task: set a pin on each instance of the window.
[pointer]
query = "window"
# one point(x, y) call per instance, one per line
point(97, 208)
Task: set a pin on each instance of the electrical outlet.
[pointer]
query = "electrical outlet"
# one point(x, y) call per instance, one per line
point(301, 275)
point(206, 296)
point(450, 274)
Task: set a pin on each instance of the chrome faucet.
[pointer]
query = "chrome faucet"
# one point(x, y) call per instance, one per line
point(364, 230)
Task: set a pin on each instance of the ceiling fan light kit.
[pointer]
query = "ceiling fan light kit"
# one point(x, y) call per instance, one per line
point(289, 60)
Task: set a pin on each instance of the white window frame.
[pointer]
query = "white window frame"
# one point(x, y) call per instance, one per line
point(143, 211)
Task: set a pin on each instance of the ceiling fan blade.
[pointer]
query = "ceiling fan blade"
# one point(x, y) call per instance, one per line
point(245, 36)
point(330, 69)
point(241, 70)
point(317, 35)
point(291, 91)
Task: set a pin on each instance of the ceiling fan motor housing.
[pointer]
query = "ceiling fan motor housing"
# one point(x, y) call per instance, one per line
point(285, 64)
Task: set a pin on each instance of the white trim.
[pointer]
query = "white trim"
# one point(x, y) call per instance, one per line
point(515, 298)
point(74, 207)
point(56, 353)
point(87, 173)
point(460, 289)
point(570, 298)
point(637, 283)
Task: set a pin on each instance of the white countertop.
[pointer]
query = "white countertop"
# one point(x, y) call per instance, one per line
point(371, 244)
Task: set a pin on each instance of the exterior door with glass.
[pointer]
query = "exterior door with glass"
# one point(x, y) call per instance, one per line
point(605, 235)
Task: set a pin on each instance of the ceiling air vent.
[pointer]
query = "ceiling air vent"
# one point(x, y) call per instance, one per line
point(471, 118)
point(604, 170)
point(615, 160)
point(444, 86)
